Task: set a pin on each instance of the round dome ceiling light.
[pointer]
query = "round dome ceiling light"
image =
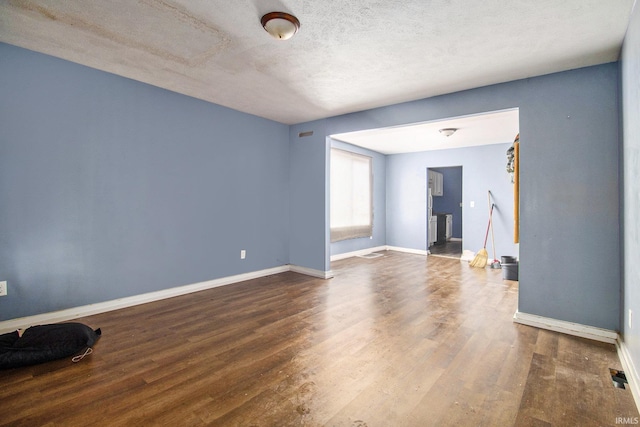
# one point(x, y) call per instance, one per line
point(280, 25)
point(448, 131)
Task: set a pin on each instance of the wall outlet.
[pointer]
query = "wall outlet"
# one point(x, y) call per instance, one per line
point(630, 319)
point(472, 204)
point(243, 254)
point(3, 289)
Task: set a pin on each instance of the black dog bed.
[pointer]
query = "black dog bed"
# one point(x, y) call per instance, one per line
point(43, 343)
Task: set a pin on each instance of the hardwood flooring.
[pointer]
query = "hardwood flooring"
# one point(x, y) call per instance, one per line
point(452, 249)
point(400, 340)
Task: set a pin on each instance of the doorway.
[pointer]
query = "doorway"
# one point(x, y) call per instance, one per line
point(444, 211)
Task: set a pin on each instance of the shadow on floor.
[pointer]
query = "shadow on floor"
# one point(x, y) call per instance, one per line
point(451, 249)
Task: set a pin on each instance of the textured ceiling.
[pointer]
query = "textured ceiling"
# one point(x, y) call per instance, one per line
point(347, 56)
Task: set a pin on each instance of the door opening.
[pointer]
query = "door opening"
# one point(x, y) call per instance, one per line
point(444, 211)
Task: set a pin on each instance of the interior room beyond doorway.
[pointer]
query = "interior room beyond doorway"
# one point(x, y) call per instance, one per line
point(445, 213)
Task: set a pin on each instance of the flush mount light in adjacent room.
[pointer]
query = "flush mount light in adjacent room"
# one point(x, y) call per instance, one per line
point(448, 131)
point(280, 25)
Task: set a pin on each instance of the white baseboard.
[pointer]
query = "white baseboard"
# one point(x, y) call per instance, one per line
point(408, 251)
point(468, 255)
point(378, 249)
point(629, 370)
point(102, 307)
point(569, 328)
point(312, 272)
point(358, 253)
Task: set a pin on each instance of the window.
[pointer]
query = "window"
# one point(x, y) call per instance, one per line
point(351, 195)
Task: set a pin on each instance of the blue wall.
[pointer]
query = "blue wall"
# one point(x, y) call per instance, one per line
point(630, 64)
point(569, 203)
point(309, 197)
point(451, 197)
point(569, 198)
point(379, 237)
point(111, 188)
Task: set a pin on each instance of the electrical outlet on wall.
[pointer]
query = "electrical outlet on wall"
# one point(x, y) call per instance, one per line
point(243, 254)
point(3, 289)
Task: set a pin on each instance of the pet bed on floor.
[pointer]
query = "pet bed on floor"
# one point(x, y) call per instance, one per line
point(43, 343)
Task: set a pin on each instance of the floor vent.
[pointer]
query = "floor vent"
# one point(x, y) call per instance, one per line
point(371, 255)
point(619, 378)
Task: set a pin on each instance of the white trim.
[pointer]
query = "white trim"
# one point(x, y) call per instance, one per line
point(408, 251)
point(570, 328)
point(629, 370)
point(311, 272)
point(455, 239)
point(102, 307)
point(357, 253)
point(378, 249)
point(468, 255)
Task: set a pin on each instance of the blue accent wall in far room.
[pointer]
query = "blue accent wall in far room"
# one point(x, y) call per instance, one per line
point(112, 188)
point(451, 197)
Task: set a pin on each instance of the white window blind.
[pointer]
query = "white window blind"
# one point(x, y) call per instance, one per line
point(351, 195)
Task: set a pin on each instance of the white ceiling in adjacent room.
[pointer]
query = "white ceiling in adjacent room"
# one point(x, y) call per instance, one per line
point(480, 129)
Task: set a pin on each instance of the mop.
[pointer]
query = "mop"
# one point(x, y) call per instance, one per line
point(495, 263)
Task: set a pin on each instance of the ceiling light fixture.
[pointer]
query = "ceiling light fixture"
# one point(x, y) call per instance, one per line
point(448, 131)
point(280, 25)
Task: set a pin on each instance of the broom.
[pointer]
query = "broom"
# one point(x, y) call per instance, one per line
point(480, 260)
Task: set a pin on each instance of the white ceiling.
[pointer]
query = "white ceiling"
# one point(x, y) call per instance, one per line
point(347, 56)
point(481, 129)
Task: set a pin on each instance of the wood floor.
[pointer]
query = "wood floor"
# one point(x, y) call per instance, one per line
point(400, 340)
point(449, 249)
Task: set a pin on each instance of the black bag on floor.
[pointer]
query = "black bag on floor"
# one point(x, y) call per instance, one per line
point(43, 343)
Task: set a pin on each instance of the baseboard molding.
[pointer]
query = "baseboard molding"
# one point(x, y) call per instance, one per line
point(629, 370)
point(311, 272)
point(378, 249)
point(408, 251)
point(468, 255)
point(357, 253)
point(570, 328)
point(102, 307)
